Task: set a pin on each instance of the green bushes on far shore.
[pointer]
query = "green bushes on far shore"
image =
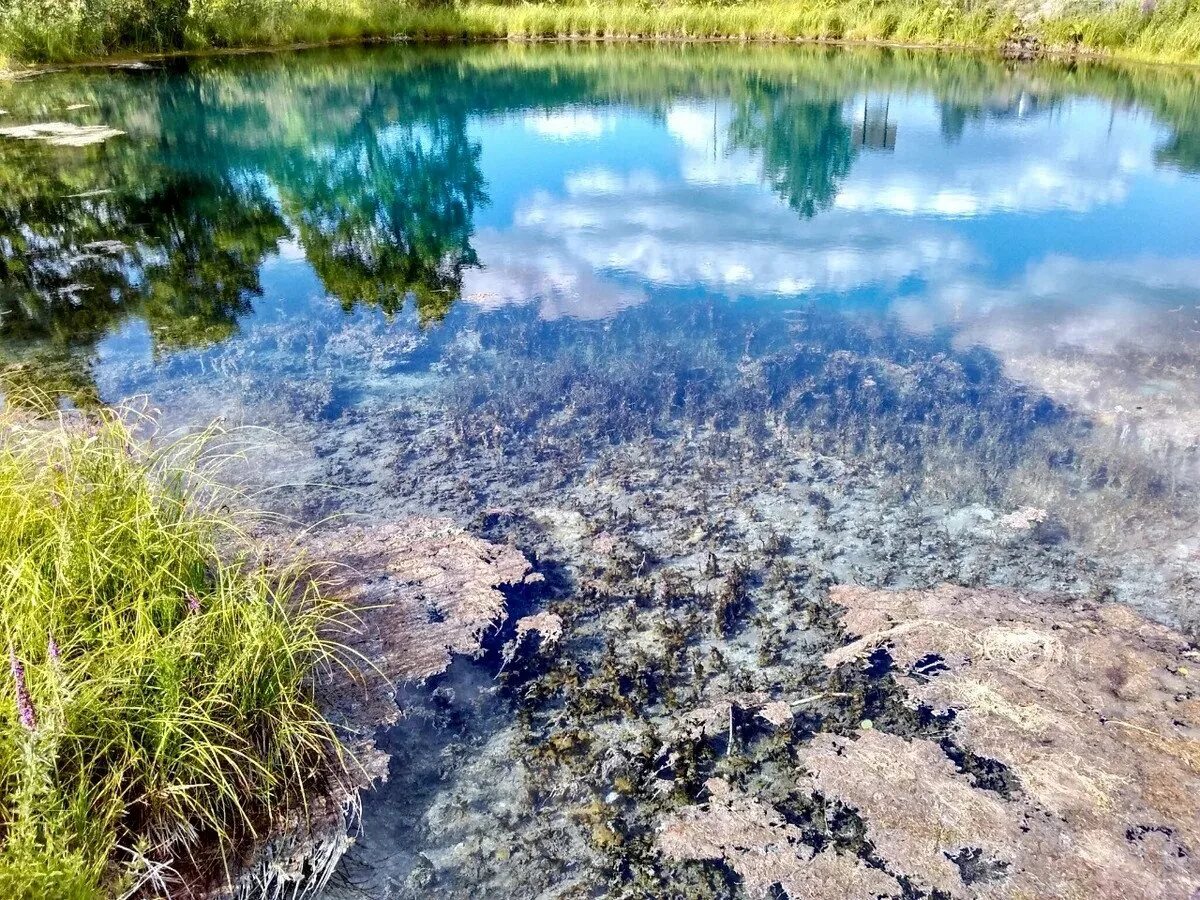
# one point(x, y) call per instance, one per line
point(158, 704)
point(46, 30)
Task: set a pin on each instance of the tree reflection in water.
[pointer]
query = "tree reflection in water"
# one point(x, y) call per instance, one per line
point(368, 162)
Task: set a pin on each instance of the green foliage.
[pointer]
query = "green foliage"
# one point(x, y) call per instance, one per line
point(40, 30)
point(169, 670)
point(34, 30)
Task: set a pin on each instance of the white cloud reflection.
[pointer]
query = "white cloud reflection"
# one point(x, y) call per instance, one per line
point(569, 124)
point(578, 254)
point(1119, 340)
point(614, 231)
point(1013, 164)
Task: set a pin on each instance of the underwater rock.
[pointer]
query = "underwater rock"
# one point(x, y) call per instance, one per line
point(777, 712)
point(1023, 518)
point(546, 625)
point(1091, 707)
point(691, 550)
point(919, 810)
point(421, 590)
point(758, 843)
point(714, 718)
point(62, 134)
point(425, 589)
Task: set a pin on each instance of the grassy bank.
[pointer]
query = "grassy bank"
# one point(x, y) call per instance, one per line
point(47, 30)
point(158, 712)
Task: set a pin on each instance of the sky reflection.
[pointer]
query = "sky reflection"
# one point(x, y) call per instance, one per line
point(1038, 213)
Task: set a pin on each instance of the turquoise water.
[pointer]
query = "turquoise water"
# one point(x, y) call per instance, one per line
point(638, 311)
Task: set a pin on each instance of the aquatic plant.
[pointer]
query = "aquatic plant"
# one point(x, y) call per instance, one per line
point(160, 711)
point(703, 482)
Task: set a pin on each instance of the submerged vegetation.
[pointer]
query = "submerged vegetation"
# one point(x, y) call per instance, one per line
point(160, 712)
point(46, 30)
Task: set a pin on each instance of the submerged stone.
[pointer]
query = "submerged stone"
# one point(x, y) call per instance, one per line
point(1083, 703)
point(62, 134)
point(391, 576)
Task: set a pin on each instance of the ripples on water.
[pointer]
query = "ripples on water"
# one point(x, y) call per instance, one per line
point(702, 330)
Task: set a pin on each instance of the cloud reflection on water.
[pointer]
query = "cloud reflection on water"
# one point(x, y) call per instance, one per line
point(1112, 337)
point(583, 190)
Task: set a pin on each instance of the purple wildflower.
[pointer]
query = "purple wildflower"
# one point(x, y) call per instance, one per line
point(52, 650)
point(1148, 6)
point(193, 603)
point(24, 701)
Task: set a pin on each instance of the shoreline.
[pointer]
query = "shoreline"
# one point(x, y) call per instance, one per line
point(997, 33)
point(157, 584)
point(117, 61)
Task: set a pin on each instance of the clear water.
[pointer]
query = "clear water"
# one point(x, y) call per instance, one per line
point(651, 314)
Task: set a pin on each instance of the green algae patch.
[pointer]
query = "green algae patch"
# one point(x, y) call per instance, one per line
point(159, 715)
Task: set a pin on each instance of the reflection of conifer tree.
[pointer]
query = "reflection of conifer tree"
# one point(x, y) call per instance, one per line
point(954, 118)
point(390, 214)
point(805, 145)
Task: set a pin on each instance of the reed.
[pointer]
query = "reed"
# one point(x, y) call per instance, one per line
point(158, 712)
point(47, 30)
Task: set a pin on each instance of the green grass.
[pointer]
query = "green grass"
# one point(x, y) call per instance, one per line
point(168, 670)
point(47, 30)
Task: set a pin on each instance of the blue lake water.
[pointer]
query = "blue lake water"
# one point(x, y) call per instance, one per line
point(910, 318)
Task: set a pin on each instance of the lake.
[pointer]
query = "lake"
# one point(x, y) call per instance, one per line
point(702, 330)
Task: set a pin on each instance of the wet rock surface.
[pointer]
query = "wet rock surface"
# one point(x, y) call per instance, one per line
point(418, 591)
point(1092, 709)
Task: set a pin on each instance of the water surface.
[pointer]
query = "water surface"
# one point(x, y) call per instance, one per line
point(702, 330)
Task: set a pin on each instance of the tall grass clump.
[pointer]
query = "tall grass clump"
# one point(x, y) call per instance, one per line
point(41, 30)
point(157, 713)
point(241, 23)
